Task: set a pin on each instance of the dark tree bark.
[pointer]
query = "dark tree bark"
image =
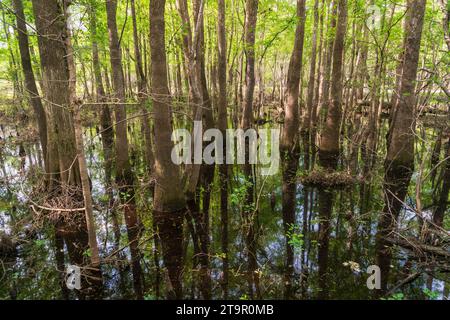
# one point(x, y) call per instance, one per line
point(206, 171)
point(106, 131)
point(143, 93)
point(55, 70)
point(222, 122)
point(308, 113)
point(30, 83)
point(124, 174)
point(442, 203)
point(95, 271)
point(289, 146)
point(251, 12)
point(169, 203)
point(399, 162)
point(312, 71)
point(201, 176)
point(325, 199)
point(326, 74)
point(63, 170)
point(329, 144)
point(398, 78)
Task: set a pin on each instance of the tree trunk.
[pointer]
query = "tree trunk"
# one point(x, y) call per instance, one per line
point(87, 196)
point(326, 74)
point(438, 215)
point(201, 176)
point(289, 146)
point(329, 144)
point(169, 203)
point(142, 93)
point(206, 171)
point(251, 11)
point(399, 163)
point(312, 71)
point(325, 207)
point(222, 122)
point(63, 171)
point(106, 128)
point(124, 175)
point(30, 83)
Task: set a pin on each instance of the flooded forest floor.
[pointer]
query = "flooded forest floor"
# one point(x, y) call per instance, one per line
point(333, 236)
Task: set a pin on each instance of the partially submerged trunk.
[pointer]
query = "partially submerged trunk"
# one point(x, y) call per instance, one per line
point(169, 203)
point(399, 163)
point(200, 175)
point(222, 123)
point(290, 147)
point(63, 171)
point(442, 199)
point(249, 214)
point(124, 174)
point(95, 272)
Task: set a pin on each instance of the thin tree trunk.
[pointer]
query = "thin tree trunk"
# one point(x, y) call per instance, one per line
point(106, 127)
point(201, 176)
point(438, 215)
point(312, 71)
point(249, 214)
point(142, 93)
point(325, 206)
point(87, 196)
point(222, 122)
point(289, 146)
point(207, 171)
point(124, 175)
point(30, 83)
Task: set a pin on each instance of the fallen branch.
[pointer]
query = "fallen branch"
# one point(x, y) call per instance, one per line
point(56, 209)
point(413, 245)
point(405, 281)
